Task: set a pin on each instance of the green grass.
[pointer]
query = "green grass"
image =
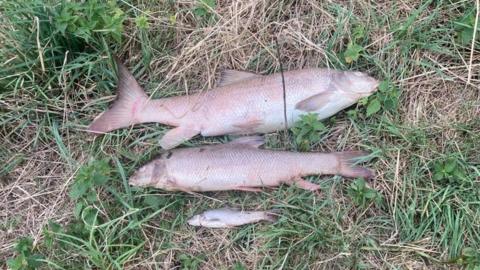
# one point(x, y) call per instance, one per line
point(68, 193)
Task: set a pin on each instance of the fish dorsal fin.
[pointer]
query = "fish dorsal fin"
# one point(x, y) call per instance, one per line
point(230, 76)
point(251, 141)
point(315, 102)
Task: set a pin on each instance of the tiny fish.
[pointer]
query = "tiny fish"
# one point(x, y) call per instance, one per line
point(242, 103)
point(227, 218)
point(241, 165)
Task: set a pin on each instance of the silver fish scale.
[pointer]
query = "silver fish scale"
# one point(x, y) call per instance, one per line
point(258, 106)
point(220, 167)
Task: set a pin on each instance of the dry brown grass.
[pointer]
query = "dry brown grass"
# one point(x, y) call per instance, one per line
point(309, 32)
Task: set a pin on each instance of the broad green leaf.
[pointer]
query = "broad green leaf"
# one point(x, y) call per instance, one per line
point(24, 246)
point(358, 32)
point(352, 53)
point(384, 86)
point(390, 103)
point(438, 176)
point(78, 189)
point(450, 165)
point(152, 201)
point(17, 263)
point(99, 178)
point(363, 101)
point(373, 107)
point(142, 22)
point(34, 261)
point(204, 7)
point(77, 210)
point(91, 196)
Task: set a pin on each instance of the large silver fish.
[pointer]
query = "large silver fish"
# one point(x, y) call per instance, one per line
point(227, 218)
point(242, 103)
point(241, 165)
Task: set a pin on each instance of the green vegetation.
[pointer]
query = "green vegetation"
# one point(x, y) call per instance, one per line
point(204, 8)
point(69, 190)
point(352, 53)
point(308, 131)
point(362, 195)
point(464, 27)
point(25, 258)
point(470, 259)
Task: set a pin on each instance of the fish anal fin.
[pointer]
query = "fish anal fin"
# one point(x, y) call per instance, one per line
point(303, 184)
point(251, 141)
point(315, 102)
point(126, 109)
point(250, 189)
point(229, 76)
point(176, 136)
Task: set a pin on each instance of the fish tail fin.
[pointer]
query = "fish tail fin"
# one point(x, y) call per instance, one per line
point(347, 166)
point(126, 108)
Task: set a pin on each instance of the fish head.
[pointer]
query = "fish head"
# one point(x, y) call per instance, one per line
point(195, 220)
point(144, 175)
point(207, 220)
point(356, 84)
point(151, 174)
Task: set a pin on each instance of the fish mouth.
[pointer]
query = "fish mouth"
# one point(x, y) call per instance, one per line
point(373, 87)
point(135, 180)
point(194, 221)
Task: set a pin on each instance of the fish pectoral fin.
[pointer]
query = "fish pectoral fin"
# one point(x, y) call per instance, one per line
point(230, 76)
point(176, 136)
point(315, 102)
point(251, 189)
point(302, 183)
point(251, 141)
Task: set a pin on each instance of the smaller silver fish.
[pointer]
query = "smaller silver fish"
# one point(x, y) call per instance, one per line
point(228, 218)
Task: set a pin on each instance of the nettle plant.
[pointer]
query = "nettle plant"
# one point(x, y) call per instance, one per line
point(25, 257)
point(95, 174)
point(307, 131)
point(85, 20)
point(386, 98)
point(203, 10)
point(354, 49)
point(362, 195)
point(449, 171)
